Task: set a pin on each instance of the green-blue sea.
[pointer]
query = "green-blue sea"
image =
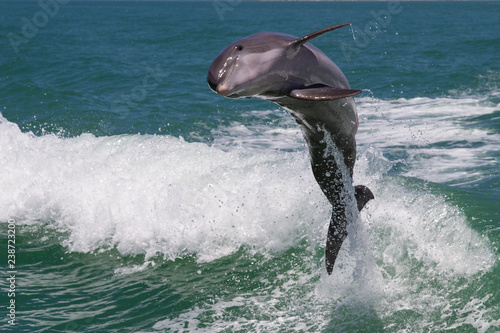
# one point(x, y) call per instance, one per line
point(134, 199)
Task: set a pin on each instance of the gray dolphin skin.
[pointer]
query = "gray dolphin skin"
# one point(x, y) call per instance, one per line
point(294, 74)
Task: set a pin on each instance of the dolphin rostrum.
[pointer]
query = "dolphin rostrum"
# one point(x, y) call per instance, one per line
point(294, 74)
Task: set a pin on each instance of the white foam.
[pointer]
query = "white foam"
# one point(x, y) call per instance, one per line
point(281, 133)
point(148, 194)
point(158, 194)
point(134, 268)
point(405, 255)
point(431, 135)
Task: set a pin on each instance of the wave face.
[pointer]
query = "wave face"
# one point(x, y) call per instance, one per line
point(164, 199)
point(149, 194)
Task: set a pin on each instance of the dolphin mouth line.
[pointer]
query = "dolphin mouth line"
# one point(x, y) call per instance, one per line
point(226, 72)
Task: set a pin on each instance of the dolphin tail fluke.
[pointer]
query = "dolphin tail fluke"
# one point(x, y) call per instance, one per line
point(337, 232)
point(363, 194)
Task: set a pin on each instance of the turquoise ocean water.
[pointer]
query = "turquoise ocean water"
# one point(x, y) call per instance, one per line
point(143, 202)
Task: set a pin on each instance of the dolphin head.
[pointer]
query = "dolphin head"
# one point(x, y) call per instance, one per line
point(249, 66)
point(262, 65)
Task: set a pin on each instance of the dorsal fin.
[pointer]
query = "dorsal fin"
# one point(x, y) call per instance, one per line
point(299, 41)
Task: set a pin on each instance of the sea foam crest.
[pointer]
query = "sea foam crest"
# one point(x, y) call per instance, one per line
point(158, 194)
point(438, 139)
point(146, 194)
point(161, 194)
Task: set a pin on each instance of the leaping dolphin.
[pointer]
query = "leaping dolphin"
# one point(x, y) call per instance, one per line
point(294, 74)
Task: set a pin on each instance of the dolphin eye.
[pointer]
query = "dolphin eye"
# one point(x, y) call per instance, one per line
point(239, 47)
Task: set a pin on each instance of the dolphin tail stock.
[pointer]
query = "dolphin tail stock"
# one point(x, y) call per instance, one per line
point(337, 231)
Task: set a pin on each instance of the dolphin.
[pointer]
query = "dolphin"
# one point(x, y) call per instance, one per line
point(294, 74)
